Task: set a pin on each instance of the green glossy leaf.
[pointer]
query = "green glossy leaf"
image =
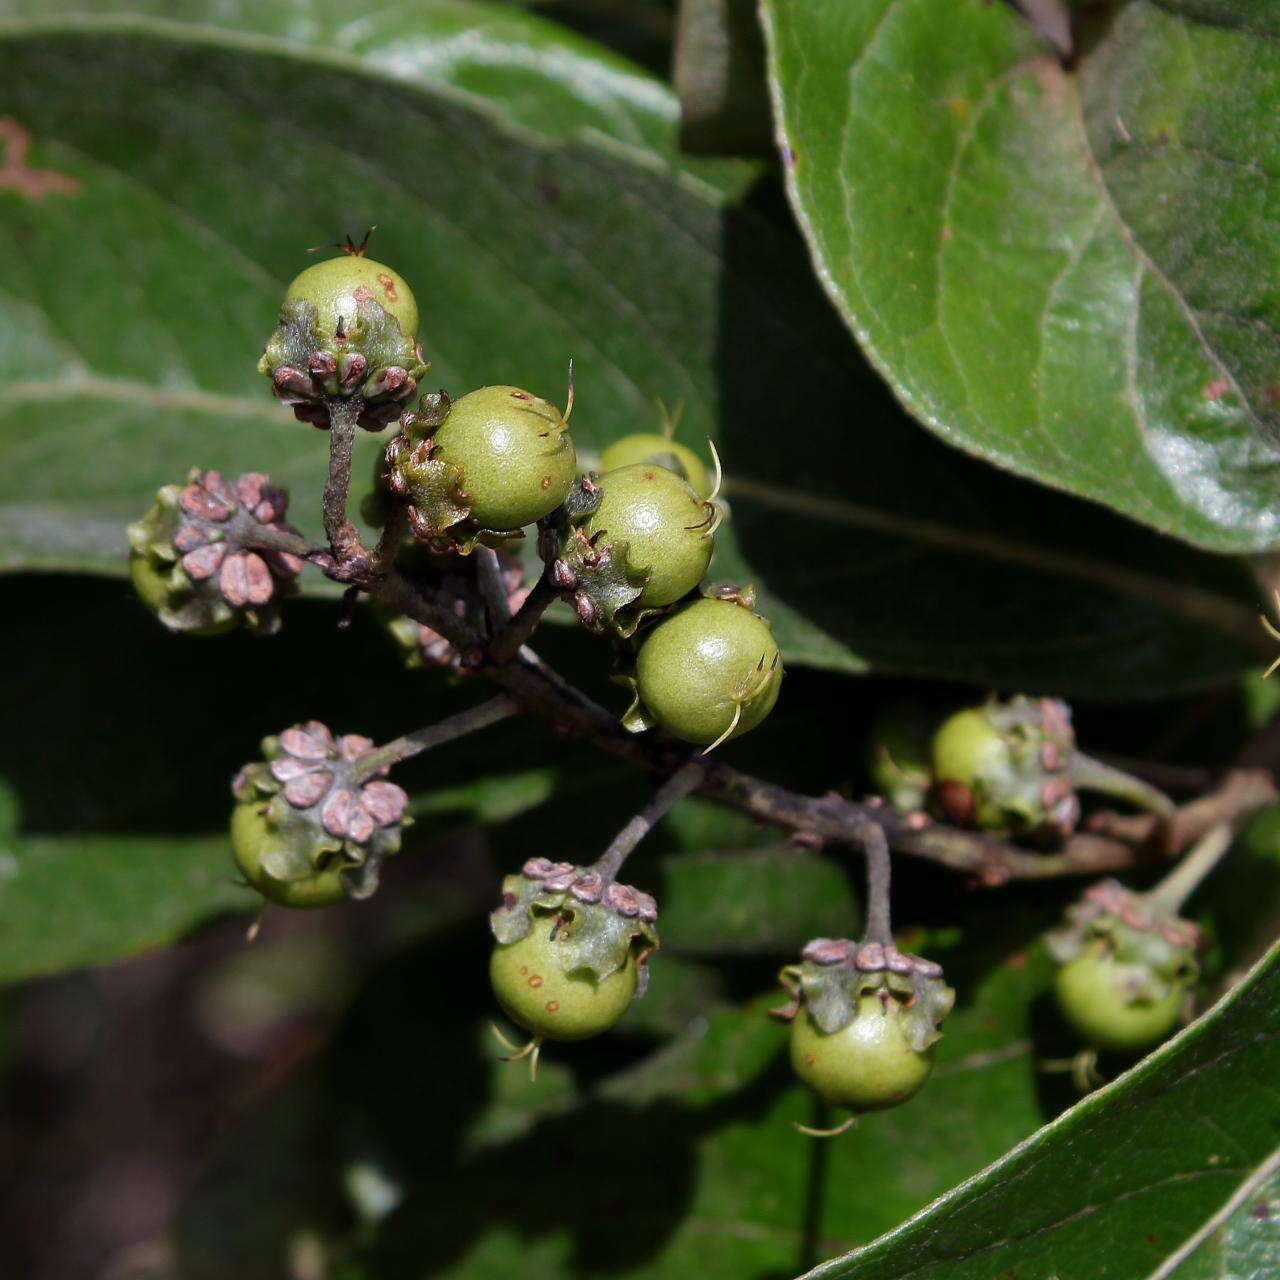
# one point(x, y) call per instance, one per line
point(766, 900)
point(133, 303)
point(1116, 1186)
point(1242, 1240)
point(71, 901)
point(1068, 273)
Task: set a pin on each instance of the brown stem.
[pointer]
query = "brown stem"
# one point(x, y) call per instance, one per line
point(512, 638)
point(684, 780)
point(492, 588)
point(875, 849)
point(344, 412)
point(1126, 843)
point(435, 735)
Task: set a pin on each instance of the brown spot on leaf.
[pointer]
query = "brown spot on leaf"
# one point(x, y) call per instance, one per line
point(1216, 389)
point(1270, 394)
point(17, 175)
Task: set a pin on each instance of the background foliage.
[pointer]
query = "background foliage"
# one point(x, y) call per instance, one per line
point(1064, 271)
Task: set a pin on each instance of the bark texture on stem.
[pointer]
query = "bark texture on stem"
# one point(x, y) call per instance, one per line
point(1118, 844)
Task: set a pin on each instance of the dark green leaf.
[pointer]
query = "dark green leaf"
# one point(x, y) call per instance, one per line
point(767, 900)
point(82, 900)
point(1068, 273)
point(681, 1162)
point(1113, 1188)
point(1241, 1240)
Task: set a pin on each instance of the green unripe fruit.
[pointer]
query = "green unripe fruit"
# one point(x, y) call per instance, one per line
point(337, 287)
point(252, 840)
point(514, 454)
point(967, 749)
point(156, 590)
point(866, 1065)
point(1095, 992)
point(534, 991)
point(654, 449)
point(666, 526)
point(709, 672)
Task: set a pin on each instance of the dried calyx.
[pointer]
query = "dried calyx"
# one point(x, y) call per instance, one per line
point(194, 557)
point(604, 923)
point(836, 973)
point(316, 805)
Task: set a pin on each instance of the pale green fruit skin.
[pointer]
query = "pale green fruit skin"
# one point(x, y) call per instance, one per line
point(250, 840)
point(155, 593)
point(692, 664)
point(866, 1065)
point(966, 749)
point(652, 448)
point(534, 991)
point(664, 524)
point(1093, 1000)
point(332, 287)
point(516, 458)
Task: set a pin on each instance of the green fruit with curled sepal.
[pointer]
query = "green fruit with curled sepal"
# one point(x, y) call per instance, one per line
point(650, 447)
point(253, 840)
point(867, 1064)
point(709, 672)
point(667, 529)
point(530, 983)
point(337, 287)
point(1099, 997)
point(513, 453)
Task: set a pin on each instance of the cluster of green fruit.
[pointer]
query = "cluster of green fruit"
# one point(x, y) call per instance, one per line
point(629, 547)
point(1126, 962)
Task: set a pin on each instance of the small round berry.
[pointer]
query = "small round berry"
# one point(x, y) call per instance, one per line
point(337, 287)
point(1099, 997)
point(710, 672)
point(534, 991)
point(968, 749)
point(866, 1065)
point(514, 453)
point(666, 526)
point(655, 449)
point(253, 840)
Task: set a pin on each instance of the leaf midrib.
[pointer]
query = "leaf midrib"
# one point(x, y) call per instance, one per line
point(1219, 611)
